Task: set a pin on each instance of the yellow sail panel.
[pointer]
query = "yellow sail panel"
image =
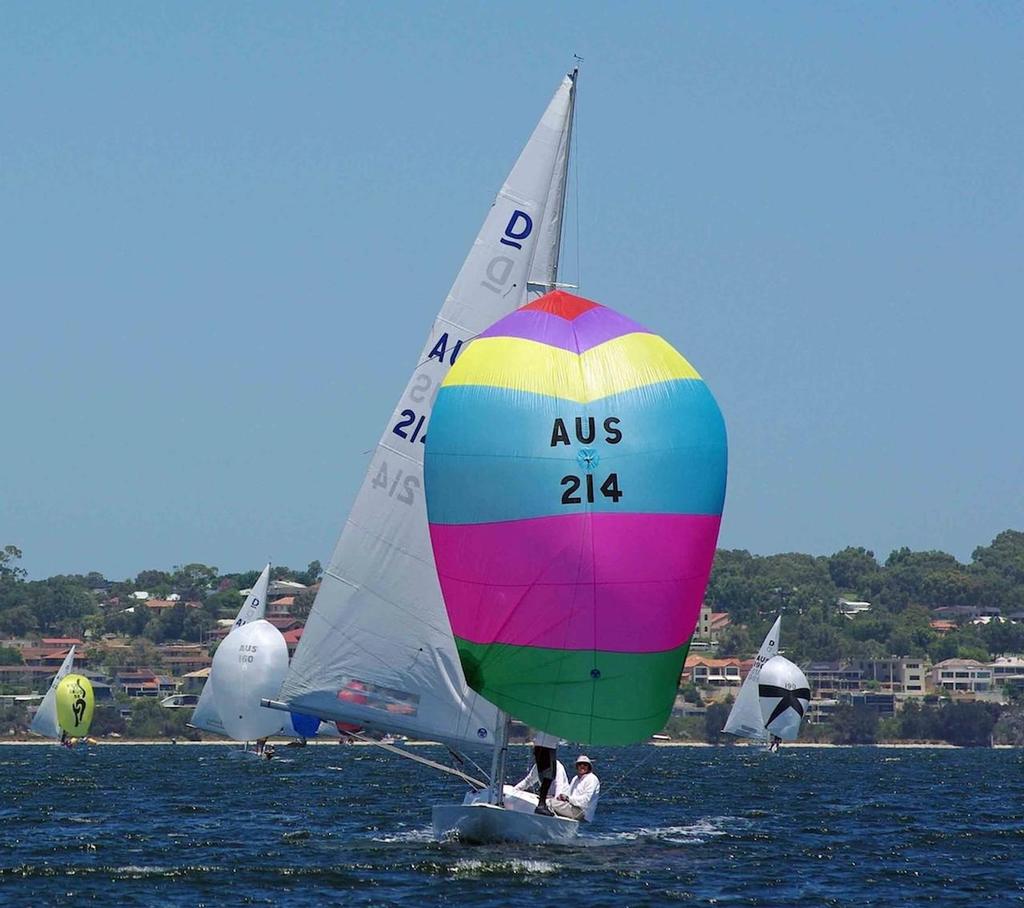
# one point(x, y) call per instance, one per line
point(521, 365)
point(75, 705)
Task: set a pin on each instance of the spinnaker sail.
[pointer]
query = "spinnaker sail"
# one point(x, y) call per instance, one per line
point(249, 665)
point(75, 704)
point(377, 650)
point(784, 696)
point(44, 722)
point(575, 477)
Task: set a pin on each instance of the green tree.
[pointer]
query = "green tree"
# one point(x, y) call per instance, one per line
point(853, 569)
point(854, 725)
point(714, 721)
point(10, 655)
point(9, 571)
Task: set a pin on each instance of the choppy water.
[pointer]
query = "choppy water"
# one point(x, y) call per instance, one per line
point(181, 825)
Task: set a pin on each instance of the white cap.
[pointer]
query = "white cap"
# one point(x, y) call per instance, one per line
point(583, 758)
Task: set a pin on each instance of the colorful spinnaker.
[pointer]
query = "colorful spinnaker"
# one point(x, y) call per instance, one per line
point(75, 704)
point(575, 476)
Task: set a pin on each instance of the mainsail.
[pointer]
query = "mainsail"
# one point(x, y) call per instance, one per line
point(745, 719)
point(44, 722)
point(205, 716)
point(377, 649)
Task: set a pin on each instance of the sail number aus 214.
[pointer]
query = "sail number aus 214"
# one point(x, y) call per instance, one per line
point(578, 489)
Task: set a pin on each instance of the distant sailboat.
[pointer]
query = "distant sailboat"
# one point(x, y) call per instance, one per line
point(774, 696)
point(378, 650)
point(45, 723)
point(206, 715)
point(75, 705)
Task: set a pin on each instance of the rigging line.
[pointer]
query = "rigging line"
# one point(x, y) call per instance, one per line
point(416, 758)
point(631, 771)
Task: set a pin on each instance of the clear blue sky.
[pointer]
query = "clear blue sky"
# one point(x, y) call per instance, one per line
point(226, 229)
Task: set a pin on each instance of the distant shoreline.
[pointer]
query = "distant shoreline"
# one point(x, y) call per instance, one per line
point(333, 742)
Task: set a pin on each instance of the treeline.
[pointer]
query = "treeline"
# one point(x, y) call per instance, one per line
point(902, 591)
point(752, 589)
point(69, 605)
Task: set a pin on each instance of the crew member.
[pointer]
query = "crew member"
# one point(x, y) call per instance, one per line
point(544, 751)
point(560, 785)
point(580, 801)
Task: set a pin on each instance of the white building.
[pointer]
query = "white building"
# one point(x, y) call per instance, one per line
point(962, 675)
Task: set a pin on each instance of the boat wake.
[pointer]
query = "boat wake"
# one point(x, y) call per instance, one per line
point(697, 833)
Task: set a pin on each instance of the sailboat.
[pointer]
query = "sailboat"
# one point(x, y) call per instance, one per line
point(774, 696)
point(44, 722)
point(206, 716)
point(377, 650)
point(575, 477)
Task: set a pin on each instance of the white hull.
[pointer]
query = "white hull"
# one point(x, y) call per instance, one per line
point(483, 824)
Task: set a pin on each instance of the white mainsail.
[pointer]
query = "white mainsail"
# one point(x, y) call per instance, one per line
point(745, 719)
point(205, 716)
point(44, 722)
point(377, 649)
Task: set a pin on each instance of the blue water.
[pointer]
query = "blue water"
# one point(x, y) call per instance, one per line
point(181, 825)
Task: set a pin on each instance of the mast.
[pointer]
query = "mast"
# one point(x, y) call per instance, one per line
point(378, 650)
point(501, 729)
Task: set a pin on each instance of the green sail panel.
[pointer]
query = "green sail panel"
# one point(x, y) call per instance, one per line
point(590, 697)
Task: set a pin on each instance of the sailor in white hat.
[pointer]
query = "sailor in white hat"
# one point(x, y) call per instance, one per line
point(580, 801)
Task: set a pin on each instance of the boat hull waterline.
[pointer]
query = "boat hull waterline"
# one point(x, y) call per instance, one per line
point(484, 824)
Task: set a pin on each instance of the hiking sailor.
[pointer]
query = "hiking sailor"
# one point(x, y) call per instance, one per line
point(580, 801)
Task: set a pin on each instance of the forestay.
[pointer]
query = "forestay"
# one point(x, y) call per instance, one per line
point(377, 649)
point(205, 716)
point(745, 719)
point(45, 722)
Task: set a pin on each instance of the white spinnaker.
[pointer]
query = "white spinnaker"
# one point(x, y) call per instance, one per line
point(378, 649)
point(249, 666)
point(44, 722)
point(784, 695)
point(745, 720)
point(205, 716)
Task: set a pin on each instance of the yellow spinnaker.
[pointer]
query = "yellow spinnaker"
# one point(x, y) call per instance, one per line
point(75, 704)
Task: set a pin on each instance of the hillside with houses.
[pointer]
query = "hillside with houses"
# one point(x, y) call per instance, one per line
point(918, 647)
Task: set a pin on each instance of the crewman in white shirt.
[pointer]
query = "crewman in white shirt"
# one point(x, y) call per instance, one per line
point(580, 801)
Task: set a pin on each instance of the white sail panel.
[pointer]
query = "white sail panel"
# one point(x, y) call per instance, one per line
point(377, 649)
point(44, 722)
point(205, 716)
point(784, 696)
point(745, 719)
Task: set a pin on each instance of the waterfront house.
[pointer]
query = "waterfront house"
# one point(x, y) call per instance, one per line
point(706, 672)
point(962, 675)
